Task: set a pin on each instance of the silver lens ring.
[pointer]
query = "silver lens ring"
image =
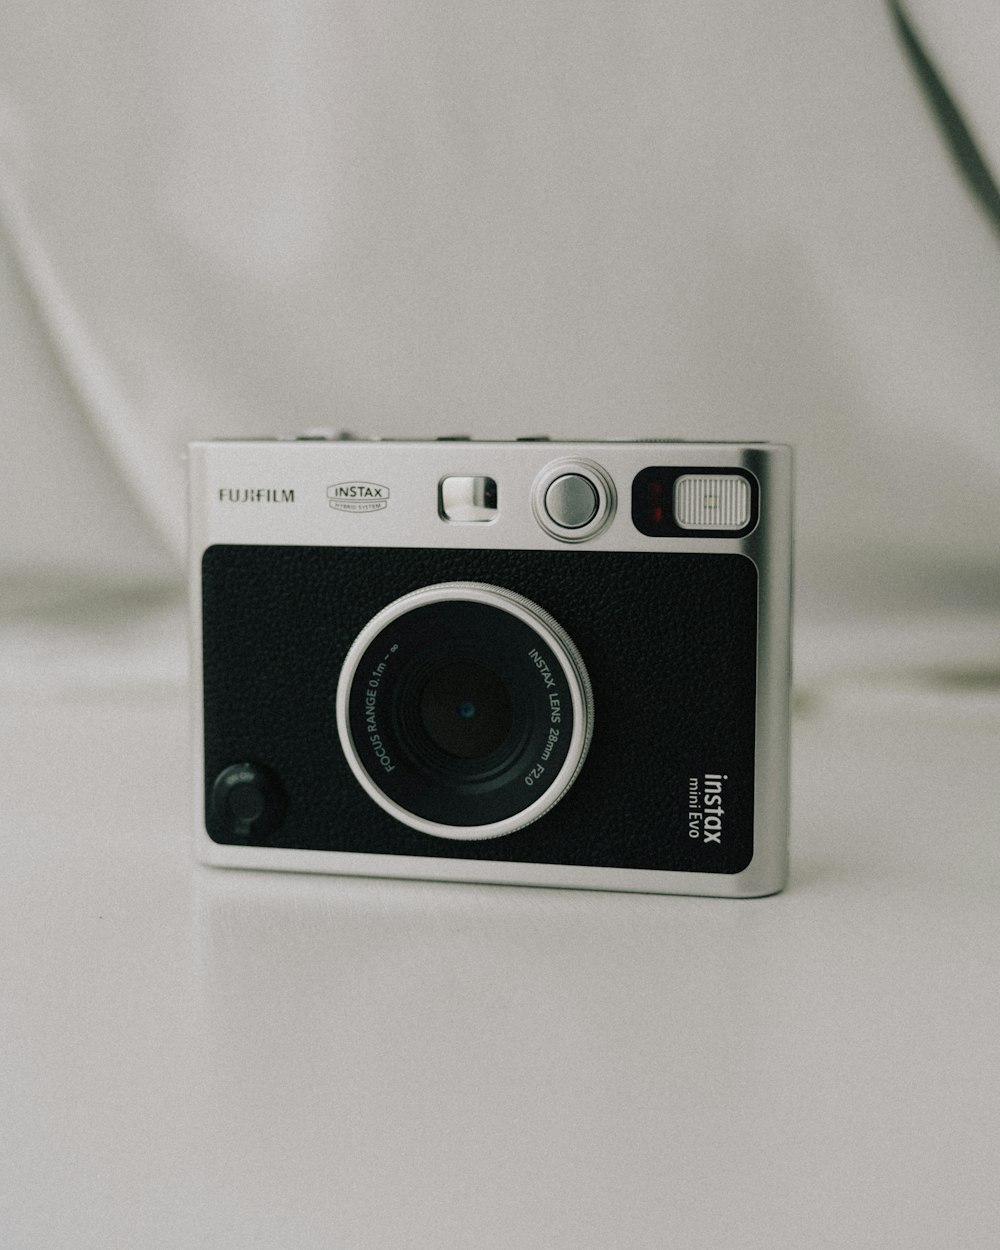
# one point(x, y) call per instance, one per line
point(372, 766)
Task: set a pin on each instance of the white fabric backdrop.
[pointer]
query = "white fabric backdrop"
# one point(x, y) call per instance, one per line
point(583, 219)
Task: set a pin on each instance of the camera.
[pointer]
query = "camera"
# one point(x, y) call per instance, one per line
point(532, 662)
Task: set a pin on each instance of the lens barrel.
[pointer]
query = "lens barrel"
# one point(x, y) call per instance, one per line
point(464, 710)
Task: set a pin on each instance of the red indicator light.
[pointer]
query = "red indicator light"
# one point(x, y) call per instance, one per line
point(656, 514)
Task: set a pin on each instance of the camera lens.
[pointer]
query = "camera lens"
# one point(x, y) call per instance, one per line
point(464, 710)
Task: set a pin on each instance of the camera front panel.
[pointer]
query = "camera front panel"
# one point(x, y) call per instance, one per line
point(669, 640)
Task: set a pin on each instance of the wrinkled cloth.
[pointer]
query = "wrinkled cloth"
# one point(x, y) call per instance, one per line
point(582, 220)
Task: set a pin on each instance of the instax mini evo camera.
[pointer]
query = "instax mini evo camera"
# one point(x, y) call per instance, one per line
point(533, 662)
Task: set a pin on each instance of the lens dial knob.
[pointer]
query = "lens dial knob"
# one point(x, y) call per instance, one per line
point(247, 799)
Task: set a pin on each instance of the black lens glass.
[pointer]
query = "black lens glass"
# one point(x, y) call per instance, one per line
point(460, 712)
point(466, 710)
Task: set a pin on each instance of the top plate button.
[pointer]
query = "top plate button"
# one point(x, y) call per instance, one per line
point(571, 501)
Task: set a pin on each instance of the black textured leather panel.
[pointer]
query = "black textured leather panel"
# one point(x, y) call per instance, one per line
point(669, 641)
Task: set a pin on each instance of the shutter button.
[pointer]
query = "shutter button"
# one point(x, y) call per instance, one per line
point(571, 501)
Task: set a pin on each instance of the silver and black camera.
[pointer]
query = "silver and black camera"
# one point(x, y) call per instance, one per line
point(528, 662)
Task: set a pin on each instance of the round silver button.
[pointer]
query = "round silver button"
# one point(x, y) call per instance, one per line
point(571, 501)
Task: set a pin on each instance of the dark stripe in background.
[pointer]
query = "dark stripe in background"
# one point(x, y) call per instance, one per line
point(956, 133)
